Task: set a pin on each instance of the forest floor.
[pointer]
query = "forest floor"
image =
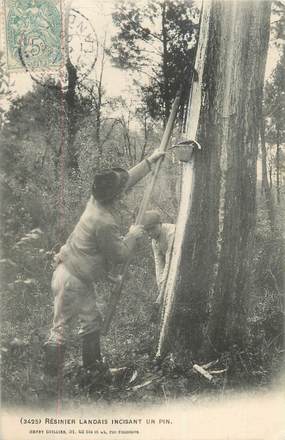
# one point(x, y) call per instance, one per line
point(131, 342)
point(27, 311)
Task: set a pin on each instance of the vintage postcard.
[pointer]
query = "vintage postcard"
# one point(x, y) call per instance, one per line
point(142, 219)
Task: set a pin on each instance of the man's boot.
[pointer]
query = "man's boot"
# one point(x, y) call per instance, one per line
point(96, 372)
point(91, 351)
point(54, 359)
point(92, 362)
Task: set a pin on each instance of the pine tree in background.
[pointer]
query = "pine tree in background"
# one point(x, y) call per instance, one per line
point(157, 40)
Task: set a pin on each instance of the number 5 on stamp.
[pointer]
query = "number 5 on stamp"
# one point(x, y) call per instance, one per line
point(33, 33)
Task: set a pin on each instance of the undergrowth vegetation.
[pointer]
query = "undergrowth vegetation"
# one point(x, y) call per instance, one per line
point(27, 308)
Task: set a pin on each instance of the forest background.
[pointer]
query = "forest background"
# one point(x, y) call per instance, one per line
point(44, 191)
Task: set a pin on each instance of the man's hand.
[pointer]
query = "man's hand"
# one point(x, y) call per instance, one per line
point(157, 154)
point(137, 231)
point(56, 259)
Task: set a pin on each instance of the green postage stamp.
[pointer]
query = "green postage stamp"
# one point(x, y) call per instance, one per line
point(33, 33)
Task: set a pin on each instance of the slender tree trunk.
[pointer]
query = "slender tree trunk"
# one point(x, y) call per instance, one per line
point(99, 100)
point(278, 165)
point(167, 103)
point(145, 136)
point(265, 184)
point(70, 100)
point(212, 277)
point(98, 127)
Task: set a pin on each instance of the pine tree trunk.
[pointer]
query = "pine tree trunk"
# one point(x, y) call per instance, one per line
point(212, 277)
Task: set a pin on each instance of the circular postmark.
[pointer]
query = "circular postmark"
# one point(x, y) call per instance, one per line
point(34, 33)
point(82, 43)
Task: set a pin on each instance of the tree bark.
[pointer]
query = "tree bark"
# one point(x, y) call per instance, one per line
point(212, 278)
point(173, 286)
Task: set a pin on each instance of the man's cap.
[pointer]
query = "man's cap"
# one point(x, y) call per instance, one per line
point(150, 219)
point(109, 183)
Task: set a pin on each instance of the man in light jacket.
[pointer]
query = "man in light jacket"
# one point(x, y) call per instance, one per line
point(162, 235)
point(90, 252)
